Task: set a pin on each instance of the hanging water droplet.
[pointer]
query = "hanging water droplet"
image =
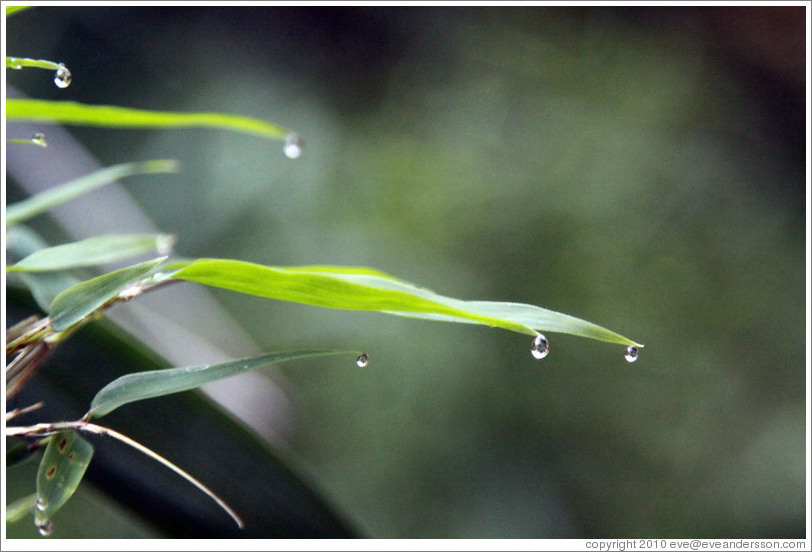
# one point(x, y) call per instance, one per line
point(42, 504)
point(46, 528)
point(540, 347)
point(294, 146)
point(40, 139)
point(631, 353)
point(63, 77)
point(164, 244)
point(362, 360)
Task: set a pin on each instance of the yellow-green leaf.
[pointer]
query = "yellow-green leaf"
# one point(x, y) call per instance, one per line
point(78, 114)
point(370, 290)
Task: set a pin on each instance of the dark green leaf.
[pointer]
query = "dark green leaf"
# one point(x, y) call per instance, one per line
point(157, 383)
point(75, 303)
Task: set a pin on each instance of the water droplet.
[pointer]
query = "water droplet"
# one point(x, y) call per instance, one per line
point(164, 244)
point(42, 504)
point(631, 353)
point(62, 77)
point(46, 528)
point(40, 139)
point(294, 146)
point(362, 360)
point(540, 347)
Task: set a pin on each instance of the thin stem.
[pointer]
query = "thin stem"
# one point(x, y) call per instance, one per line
point(24, 366)
point(11, 414)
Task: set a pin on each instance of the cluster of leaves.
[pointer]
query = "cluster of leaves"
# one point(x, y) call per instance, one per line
point(48, 272)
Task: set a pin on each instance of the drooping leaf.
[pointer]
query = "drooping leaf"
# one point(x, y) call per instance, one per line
point(370, 290)
point(47, 200)
point(157, 383)
point(61, 470)
point(92, 251)
point(75, 303)
point(73, 113)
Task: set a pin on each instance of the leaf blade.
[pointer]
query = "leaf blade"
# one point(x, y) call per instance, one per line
point(11, 10)
point(92, 251)
point(371, 290)
point(78, 114)
point(19, 63)
point(61, 470)
point(21, 241)
point(77, 302)
point(157, 383)
point(47, 200)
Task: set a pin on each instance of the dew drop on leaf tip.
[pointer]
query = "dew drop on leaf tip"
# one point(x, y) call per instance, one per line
point(540, 347)
point(46, 528)
point(632, 353)
point(40, 139)
point(62, 77)
point(362, 360)
point(294, 146)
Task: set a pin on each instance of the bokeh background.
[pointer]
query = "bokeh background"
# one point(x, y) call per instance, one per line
point(642, 168)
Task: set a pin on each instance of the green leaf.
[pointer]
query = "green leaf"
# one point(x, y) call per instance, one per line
point(61, 470)
point(11, 10)
point(157, 383)
point(75, 303)
point(19, 63)
point(63, 193)
point(92, 251)
point(370, 290)
point(20, 508)
point(21, 241)
point(73, 113)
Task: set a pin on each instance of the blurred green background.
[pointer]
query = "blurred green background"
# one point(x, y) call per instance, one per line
point(643, 169)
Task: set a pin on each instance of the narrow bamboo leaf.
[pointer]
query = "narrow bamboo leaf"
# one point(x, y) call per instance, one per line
point(321, 289)
point(73, 113)
point(61, 470)
point(36, 140)
point(157, 383)
point(75, 303)
point(21, 241)
point(93, 251)
point(20, 508)
point(11, 10)
point(367, 289)
point(19, 63)
point(63, 193)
